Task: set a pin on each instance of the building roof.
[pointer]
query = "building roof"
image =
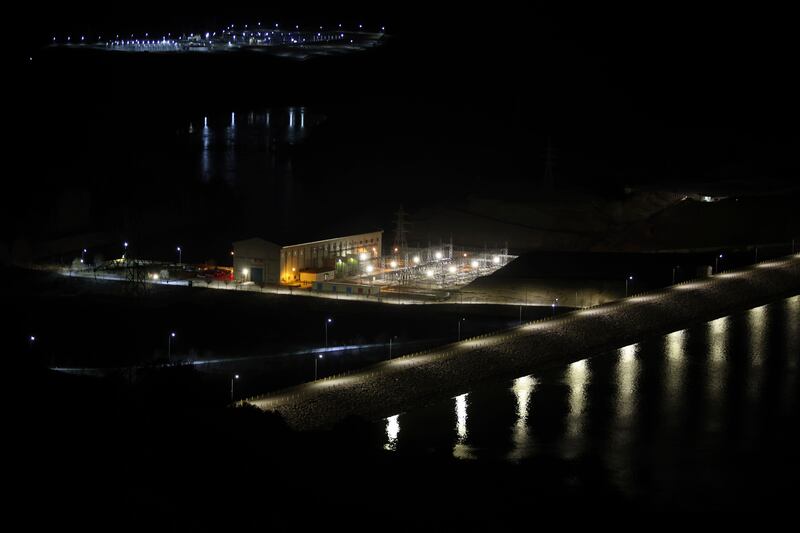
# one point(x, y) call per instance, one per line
point(286, 242)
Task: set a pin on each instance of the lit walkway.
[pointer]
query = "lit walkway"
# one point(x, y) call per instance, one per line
point(391, 387)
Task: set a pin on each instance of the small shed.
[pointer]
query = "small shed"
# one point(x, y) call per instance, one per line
point(256, 260)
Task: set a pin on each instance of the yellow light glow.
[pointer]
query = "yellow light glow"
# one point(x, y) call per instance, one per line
point(393, 264)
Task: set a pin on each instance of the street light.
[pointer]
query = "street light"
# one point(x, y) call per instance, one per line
point(327, 321)
point(235, 377)
point(316, 360)
point(629, 278)
point(716, 263)
point(460, 320)
point(553, 306)
point(169, 346)
point(179, 256)
point(124, 249)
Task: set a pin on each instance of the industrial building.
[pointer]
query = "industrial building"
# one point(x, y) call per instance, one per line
point(262, 261)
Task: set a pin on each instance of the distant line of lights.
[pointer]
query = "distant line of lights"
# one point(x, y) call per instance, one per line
point(208, 35)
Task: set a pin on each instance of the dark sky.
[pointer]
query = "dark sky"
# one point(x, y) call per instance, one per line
point(669, 91)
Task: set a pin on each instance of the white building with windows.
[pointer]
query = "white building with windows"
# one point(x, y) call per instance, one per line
point(262, 261)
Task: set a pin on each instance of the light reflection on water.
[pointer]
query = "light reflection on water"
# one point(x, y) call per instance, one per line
point(627, 372)
point(392, 430)
point(689, 398)
point(577, 379)
point(716, 370)
point(461, 449)
point(675, 350)
point(522, 441)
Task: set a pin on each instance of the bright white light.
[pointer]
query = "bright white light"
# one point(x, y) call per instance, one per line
point(155, 277)
point(451, 269)
point(438, 255)
point(245, 271)
point(362, 256)
point(416, 259)
point(172, 334)
point(474, 264)
point(496, 260)
point(461, 417)
point(429, 273)
point(393, 264)
point(392, 429)
point(369, 269)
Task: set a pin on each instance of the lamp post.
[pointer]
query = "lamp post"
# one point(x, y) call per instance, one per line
point(327, 321)
point(179, 256)
point(169, 346)
point(390, 345)
point(124, 249)
point(460, 320)
point(628, 279)
point(235, 377)
point(716, 263)
point(553, 306)
point(316, 360)
point(83, 255)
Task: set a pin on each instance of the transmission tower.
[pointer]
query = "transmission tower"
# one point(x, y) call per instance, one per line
point(135, 274)
point(400, 231)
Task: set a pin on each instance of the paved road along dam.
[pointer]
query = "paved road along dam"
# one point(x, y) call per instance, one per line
point(401, 384)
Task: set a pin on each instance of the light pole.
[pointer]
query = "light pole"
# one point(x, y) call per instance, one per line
point(235, 377)
point(83, 255)
point(553, 306)
point(124, 249)
point(169, 346)
point(390, 345)
point(180, 254)
point(628, 279)
point(460, 320)
point(327, 321)
point(716, 263)
point(316, 360)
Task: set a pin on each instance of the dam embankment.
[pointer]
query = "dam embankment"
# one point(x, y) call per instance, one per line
point(401, 384)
